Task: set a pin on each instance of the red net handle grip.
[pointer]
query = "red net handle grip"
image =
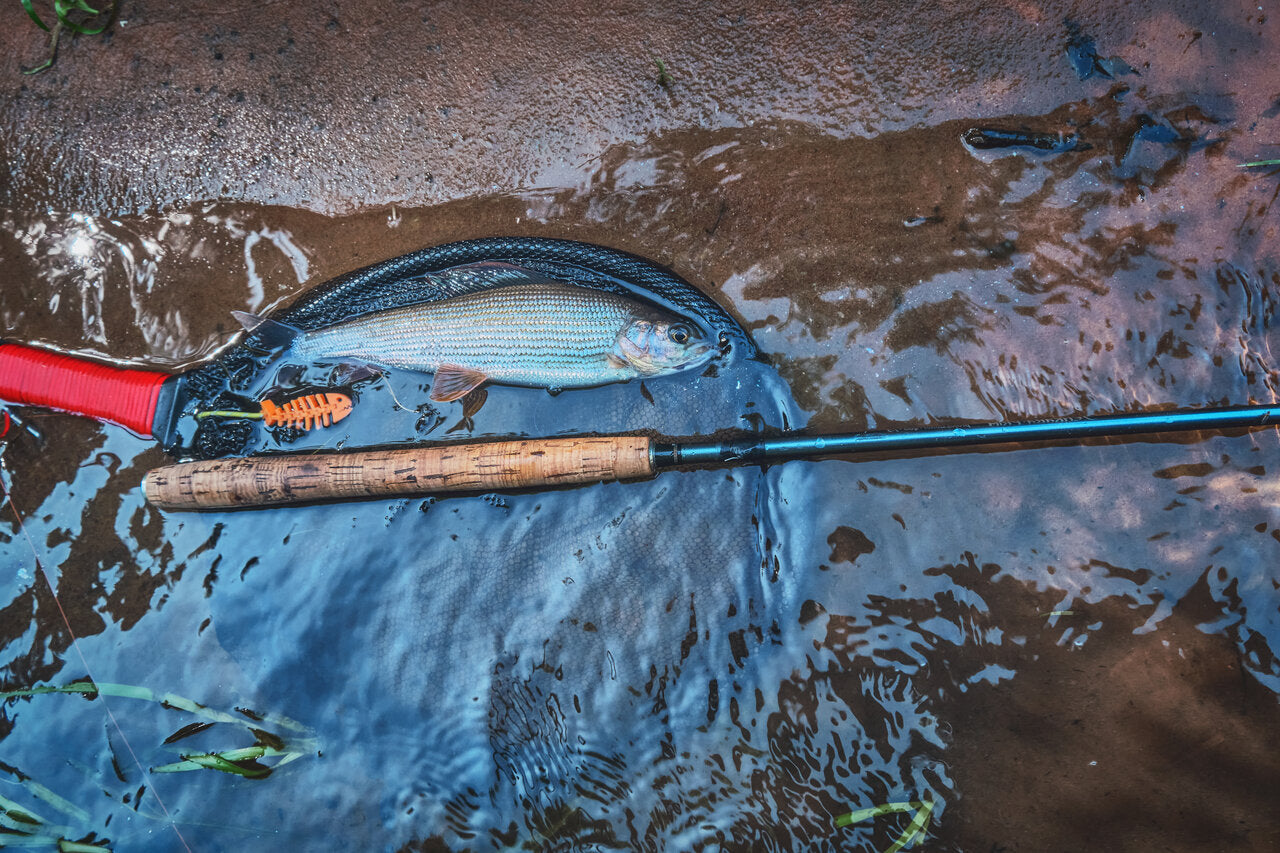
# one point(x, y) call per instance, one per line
point(37, 377)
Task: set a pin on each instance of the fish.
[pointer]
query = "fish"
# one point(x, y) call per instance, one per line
point(531, 330)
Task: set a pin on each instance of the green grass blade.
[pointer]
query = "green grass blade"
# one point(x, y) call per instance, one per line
point(1257, 163)
point(64, 8)
point(167, 700)
point(230, 761)
point(25, 828)
point(664, 77)
point(78, 687)
point(915, 829)
point(11, 813)
point(875, 811)
point(15, 841)
point(31, 13)
point(21, 827)
point(65, 846)
point(68, 808)
point(291, 756)
point(240, 762)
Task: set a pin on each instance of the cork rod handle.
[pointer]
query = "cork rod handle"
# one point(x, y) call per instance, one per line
point(405, 472)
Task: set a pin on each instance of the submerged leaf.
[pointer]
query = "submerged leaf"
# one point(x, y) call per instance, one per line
point(875, 811)
point(21, 827)
point(11, 810)
point(165, 700)
point(65, 846)
point(268, 739)
point(916, 828)
point(188, 731)
point(240, 762)
point(68, 808)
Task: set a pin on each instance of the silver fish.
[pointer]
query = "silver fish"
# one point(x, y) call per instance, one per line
point(539, 333)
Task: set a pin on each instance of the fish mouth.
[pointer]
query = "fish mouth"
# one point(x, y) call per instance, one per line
point(646, 363)
point(700, 353)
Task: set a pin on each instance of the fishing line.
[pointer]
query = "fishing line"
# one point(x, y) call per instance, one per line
point(396, 399)
point(75, 643)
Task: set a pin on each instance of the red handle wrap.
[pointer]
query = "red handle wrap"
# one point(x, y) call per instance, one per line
point(38, 377)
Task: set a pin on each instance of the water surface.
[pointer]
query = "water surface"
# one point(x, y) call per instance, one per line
point(1063, 647)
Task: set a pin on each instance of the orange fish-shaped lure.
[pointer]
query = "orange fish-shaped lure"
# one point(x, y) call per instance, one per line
point(307, 411)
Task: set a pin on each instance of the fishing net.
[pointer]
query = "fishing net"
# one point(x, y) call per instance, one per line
point(244, 370)
point(516, 660)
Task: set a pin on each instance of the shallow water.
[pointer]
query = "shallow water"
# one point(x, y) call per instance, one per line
point(1064, 647)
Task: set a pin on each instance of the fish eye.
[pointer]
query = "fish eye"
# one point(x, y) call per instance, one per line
point(678, 334)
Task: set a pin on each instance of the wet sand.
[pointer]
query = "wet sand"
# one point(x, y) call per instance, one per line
point(803, 166)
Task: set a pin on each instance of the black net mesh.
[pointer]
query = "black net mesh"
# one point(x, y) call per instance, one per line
point(414, 278)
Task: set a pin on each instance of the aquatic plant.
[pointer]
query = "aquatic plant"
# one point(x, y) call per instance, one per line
point(74, 15)
point(245, 761)
point(915, 829)
point(664, 78)
point(1256, 163)
point(22, 827)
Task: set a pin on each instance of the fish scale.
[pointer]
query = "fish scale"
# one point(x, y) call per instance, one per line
point(545, 334)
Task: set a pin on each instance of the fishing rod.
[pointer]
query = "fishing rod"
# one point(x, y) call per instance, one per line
point(280, 479)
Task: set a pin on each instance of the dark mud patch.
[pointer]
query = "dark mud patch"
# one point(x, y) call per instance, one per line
point(1132, 740)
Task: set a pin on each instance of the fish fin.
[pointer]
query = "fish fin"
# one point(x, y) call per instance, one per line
point(249, 321)
point(472, 402)
point(271, 333)
point(615, 360)
point(484, 275)
point(453, 382)
point(351, 371)
point(289, 376)
point(505, 273)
